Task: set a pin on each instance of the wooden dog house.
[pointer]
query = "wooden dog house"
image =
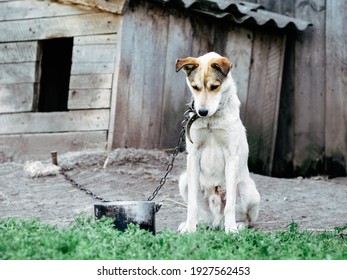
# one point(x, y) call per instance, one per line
point(81, 74)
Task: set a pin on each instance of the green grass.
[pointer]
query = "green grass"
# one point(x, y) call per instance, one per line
point(90, 239)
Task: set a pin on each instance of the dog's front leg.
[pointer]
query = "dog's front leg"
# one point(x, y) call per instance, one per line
point(193, 175)
point(231, 173)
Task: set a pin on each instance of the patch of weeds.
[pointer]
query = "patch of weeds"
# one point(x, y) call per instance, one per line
point(91, 239)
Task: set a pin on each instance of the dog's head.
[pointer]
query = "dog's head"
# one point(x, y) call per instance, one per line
point(209, 80)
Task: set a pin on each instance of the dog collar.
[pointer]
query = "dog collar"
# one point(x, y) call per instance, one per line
point(192, 118)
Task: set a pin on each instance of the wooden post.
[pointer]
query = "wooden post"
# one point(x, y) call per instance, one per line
point(54, 156)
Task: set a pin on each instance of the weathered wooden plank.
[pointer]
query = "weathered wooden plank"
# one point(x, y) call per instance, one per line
point(336, 85)
point(271, 100)
point(238, 49)
point(97, 81)
point(175, 93)
point(253, 115)
point(94, 53)
point(17, 73)
point(18, 52)
point(82, 120)
point(132, 103)
point(114, 6)
point(284, 152)
point(89, 99)
point(108, 39)
point(92, 68)
point(153, 92)
point(203, 40)
point(25, 147)
point(139, 92)
point(16, 98)
point(263, 99)
point(13, 10)
point(309, 88)
point(56, 27)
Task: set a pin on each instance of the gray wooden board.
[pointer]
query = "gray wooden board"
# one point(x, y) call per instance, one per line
point(13, 10)
point(94, 53)
point(108, 39)
point(336, 82)
point(89, 99)
point(284, 152)
point(17, 73)
point(97, 81)
point(16, 98)
point(139, 91)
point(263, 97)
point(18, 52)
point(56, 27)
point(92, 68)
point(81, 120)
point(310, 97)
point(203, 37)
point(271, 100)
point(239, 50)
point(113, 6)
point(175, 92)
point(25, 147)
point(153, 88)
point(253, 119)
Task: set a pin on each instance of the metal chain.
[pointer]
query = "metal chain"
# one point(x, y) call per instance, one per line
point(174, 153)
point(169, 166)
point(80, 187)
point(162, 180)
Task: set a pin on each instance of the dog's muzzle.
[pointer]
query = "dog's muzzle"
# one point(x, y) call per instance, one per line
point(203, 112)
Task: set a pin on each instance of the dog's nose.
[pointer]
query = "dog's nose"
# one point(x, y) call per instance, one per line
point(203, 112)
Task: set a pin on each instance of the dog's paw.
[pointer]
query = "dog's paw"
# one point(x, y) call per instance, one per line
point(235, 229)
point(241, 226)
point(231, 230)
point(187, 227)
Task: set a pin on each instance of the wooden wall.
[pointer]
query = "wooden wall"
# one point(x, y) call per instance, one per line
point(151, 97)
point(312, 131)
point(26, 133)
point(311, 134)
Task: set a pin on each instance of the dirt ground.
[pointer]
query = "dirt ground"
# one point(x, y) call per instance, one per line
point(130, 174)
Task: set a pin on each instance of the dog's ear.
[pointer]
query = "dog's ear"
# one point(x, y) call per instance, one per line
point(188, 64)
point(222, 64)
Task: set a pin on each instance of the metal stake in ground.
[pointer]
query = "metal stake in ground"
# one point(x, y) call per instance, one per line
point(54, 156)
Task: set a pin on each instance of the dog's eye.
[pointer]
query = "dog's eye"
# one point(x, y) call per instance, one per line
point(214, 87)
point(195, 87)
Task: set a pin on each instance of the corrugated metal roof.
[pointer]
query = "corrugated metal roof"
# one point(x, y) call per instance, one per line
point(241, 12)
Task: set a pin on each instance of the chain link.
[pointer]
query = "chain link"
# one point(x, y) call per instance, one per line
point(80, 187)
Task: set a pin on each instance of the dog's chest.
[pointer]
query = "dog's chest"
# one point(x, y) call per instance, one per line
point(212, 141)
point(212, 135)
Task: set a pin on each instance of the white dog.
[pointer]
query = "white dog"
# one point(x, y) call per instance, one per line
point(217, 186)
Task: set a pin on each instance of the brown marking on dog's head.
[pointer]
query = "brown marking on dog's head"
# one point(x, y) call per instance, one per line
point(188, 64)
point(209, 80)
point(222, 64)
point(216, 72)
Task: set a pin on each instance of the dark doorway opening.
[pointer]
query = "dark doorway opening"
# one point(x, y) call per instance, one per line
point(56, 55)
